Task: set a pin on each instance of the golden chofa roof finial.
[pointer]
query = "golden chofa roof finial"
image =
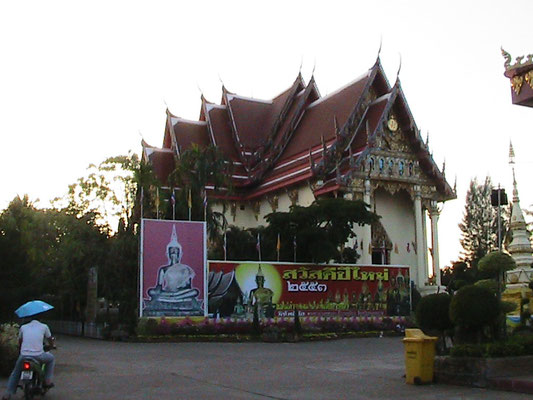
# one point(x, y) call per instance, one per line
point(507, 56)
point(518, 61)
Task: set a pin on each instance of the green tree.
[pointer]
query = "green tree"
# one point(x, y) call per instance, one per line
point(111, 190)
point(15, 269)
point(47, 253)
point(479, 225)
point(321, 230)
point(196, 169)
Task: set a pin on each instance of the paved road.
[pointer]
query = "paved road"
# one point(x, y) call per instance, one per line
point(342, 369)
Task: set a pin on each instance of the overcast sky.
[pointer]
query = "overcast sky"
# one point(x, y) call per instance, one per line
point(80, 80)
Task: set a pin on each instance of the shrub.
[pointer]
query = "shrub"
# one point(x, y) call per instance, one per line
point(503, 349)
point(466, 350)
point(491, 350)
point(495, 263)
point(507, 307)
point(432, 312)
point(490, 284)
point(8, 347)
point(147, 327)
point(473, 307)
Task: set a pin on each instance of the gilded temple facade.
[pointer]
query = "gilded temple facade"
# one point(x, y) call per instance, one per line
point(359, 142)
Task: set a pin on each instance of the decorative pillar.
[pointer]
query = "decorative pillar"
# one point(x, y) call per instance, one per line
point(419, 230)
point(425, 243)
point(92, 295)
point(366, 238)
point(434, 215)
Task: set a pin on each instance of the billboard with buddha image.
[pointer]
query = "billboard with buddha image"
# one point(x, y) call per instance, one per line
point(173, 268)
point(277, 289)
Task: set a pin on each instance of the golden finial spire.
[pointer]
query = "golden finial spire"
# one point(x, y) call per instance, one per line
point(511, 153)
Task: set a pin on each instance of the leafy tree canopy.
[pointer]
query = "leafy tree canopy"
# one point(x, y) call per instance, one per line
point(479, 227)
point(321, 229)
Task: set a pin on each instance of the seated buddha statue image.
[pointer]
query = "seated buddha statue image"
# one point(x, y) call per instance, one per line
point(261, 297)
point(173, 290)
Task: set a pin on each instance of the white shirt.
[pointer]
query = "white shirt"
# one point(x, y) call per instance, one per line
point(33, 335)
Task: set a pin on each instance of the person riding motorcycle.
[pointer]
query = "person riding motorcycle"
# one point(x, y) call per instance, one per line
point(31, 340)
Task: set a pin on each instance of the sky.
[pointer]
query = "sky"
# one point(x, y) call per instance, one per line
point(82, 81)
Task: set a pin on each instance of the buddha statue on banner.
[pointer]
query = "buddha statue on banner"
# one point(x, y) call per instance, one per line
point(174, 293)
point(261, 297)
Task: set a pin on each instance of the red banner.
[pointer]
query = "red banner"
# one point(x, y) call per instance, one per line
point(173, 265)
point(277, 289)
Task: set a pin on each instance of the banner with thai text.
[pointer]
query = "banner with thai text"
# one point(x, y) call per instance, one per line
point(173, 268)
point(277, 289)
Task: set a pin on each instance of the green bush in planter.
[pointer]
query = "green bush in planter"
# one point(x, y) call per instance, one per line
point(432, 312)
point(474, 307)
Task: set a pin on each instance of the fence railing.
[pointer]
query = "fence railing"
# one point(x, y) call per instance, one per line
point(87, 329)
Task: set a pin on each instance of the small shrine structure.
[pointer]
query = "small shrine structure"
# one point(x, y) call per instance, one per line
point(518, 279)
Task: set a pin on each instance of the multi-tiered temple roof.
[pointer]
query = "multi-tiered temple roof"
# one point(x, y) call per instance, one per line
point(300, 136)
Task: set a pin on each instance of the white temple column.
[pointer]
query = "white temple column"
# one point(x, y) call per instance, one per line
point(419, 230)
point(425, 244)
point(434, 215)
point(366, 237)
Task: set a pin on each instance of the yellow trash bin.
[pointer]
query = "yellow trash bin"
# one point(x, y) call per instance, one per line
point(419, 356)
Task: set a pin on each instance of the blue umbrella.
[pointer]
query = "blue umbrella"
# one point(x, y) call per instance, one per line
point(33, 307)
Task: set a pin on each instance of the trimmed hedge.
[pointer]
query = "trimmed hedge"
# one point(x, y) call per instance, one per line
point(515, 346)
point(473, 307)
point(432, 312)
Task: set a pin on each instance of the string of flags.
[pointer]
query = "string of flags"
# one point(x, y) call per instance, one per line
point(358, 244)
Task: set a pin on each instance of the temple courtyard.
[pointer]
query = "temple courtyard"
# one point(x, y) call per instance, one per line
point(366, 368)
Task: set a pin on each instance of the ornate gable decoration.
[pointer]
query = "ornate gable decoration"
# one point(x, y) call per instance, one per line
point(392, 159)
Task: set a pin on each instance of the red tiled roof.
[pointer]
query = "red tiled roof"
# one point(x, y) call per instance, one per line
point(269, 141)
point(189, 132)
point(221, 130)
point(162, 161)
point(319, 117)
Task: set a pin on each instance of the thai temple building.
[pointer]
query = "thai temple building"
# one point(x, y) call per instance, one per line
point(359, 142)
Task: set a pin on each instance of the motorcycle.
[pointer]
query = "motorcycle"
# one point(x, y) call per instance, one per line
point(32, 377)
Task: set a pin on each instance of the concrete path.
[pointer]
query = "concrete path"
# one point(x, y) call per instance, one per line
point(342, 369)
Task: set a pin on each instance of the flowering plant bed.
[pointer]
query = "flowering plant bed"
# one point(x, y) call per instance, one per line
point(269, 330)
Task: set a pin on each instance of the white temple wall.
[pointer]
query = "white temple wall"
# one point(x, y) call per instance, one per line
point(398, 219)
point(245, 216)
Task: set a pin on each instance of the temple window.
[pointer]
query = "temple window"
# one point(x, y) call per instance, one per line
point(400, 168)
point(391, 165)
point(381, 164)
point(410, 169)
point(371, 164)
